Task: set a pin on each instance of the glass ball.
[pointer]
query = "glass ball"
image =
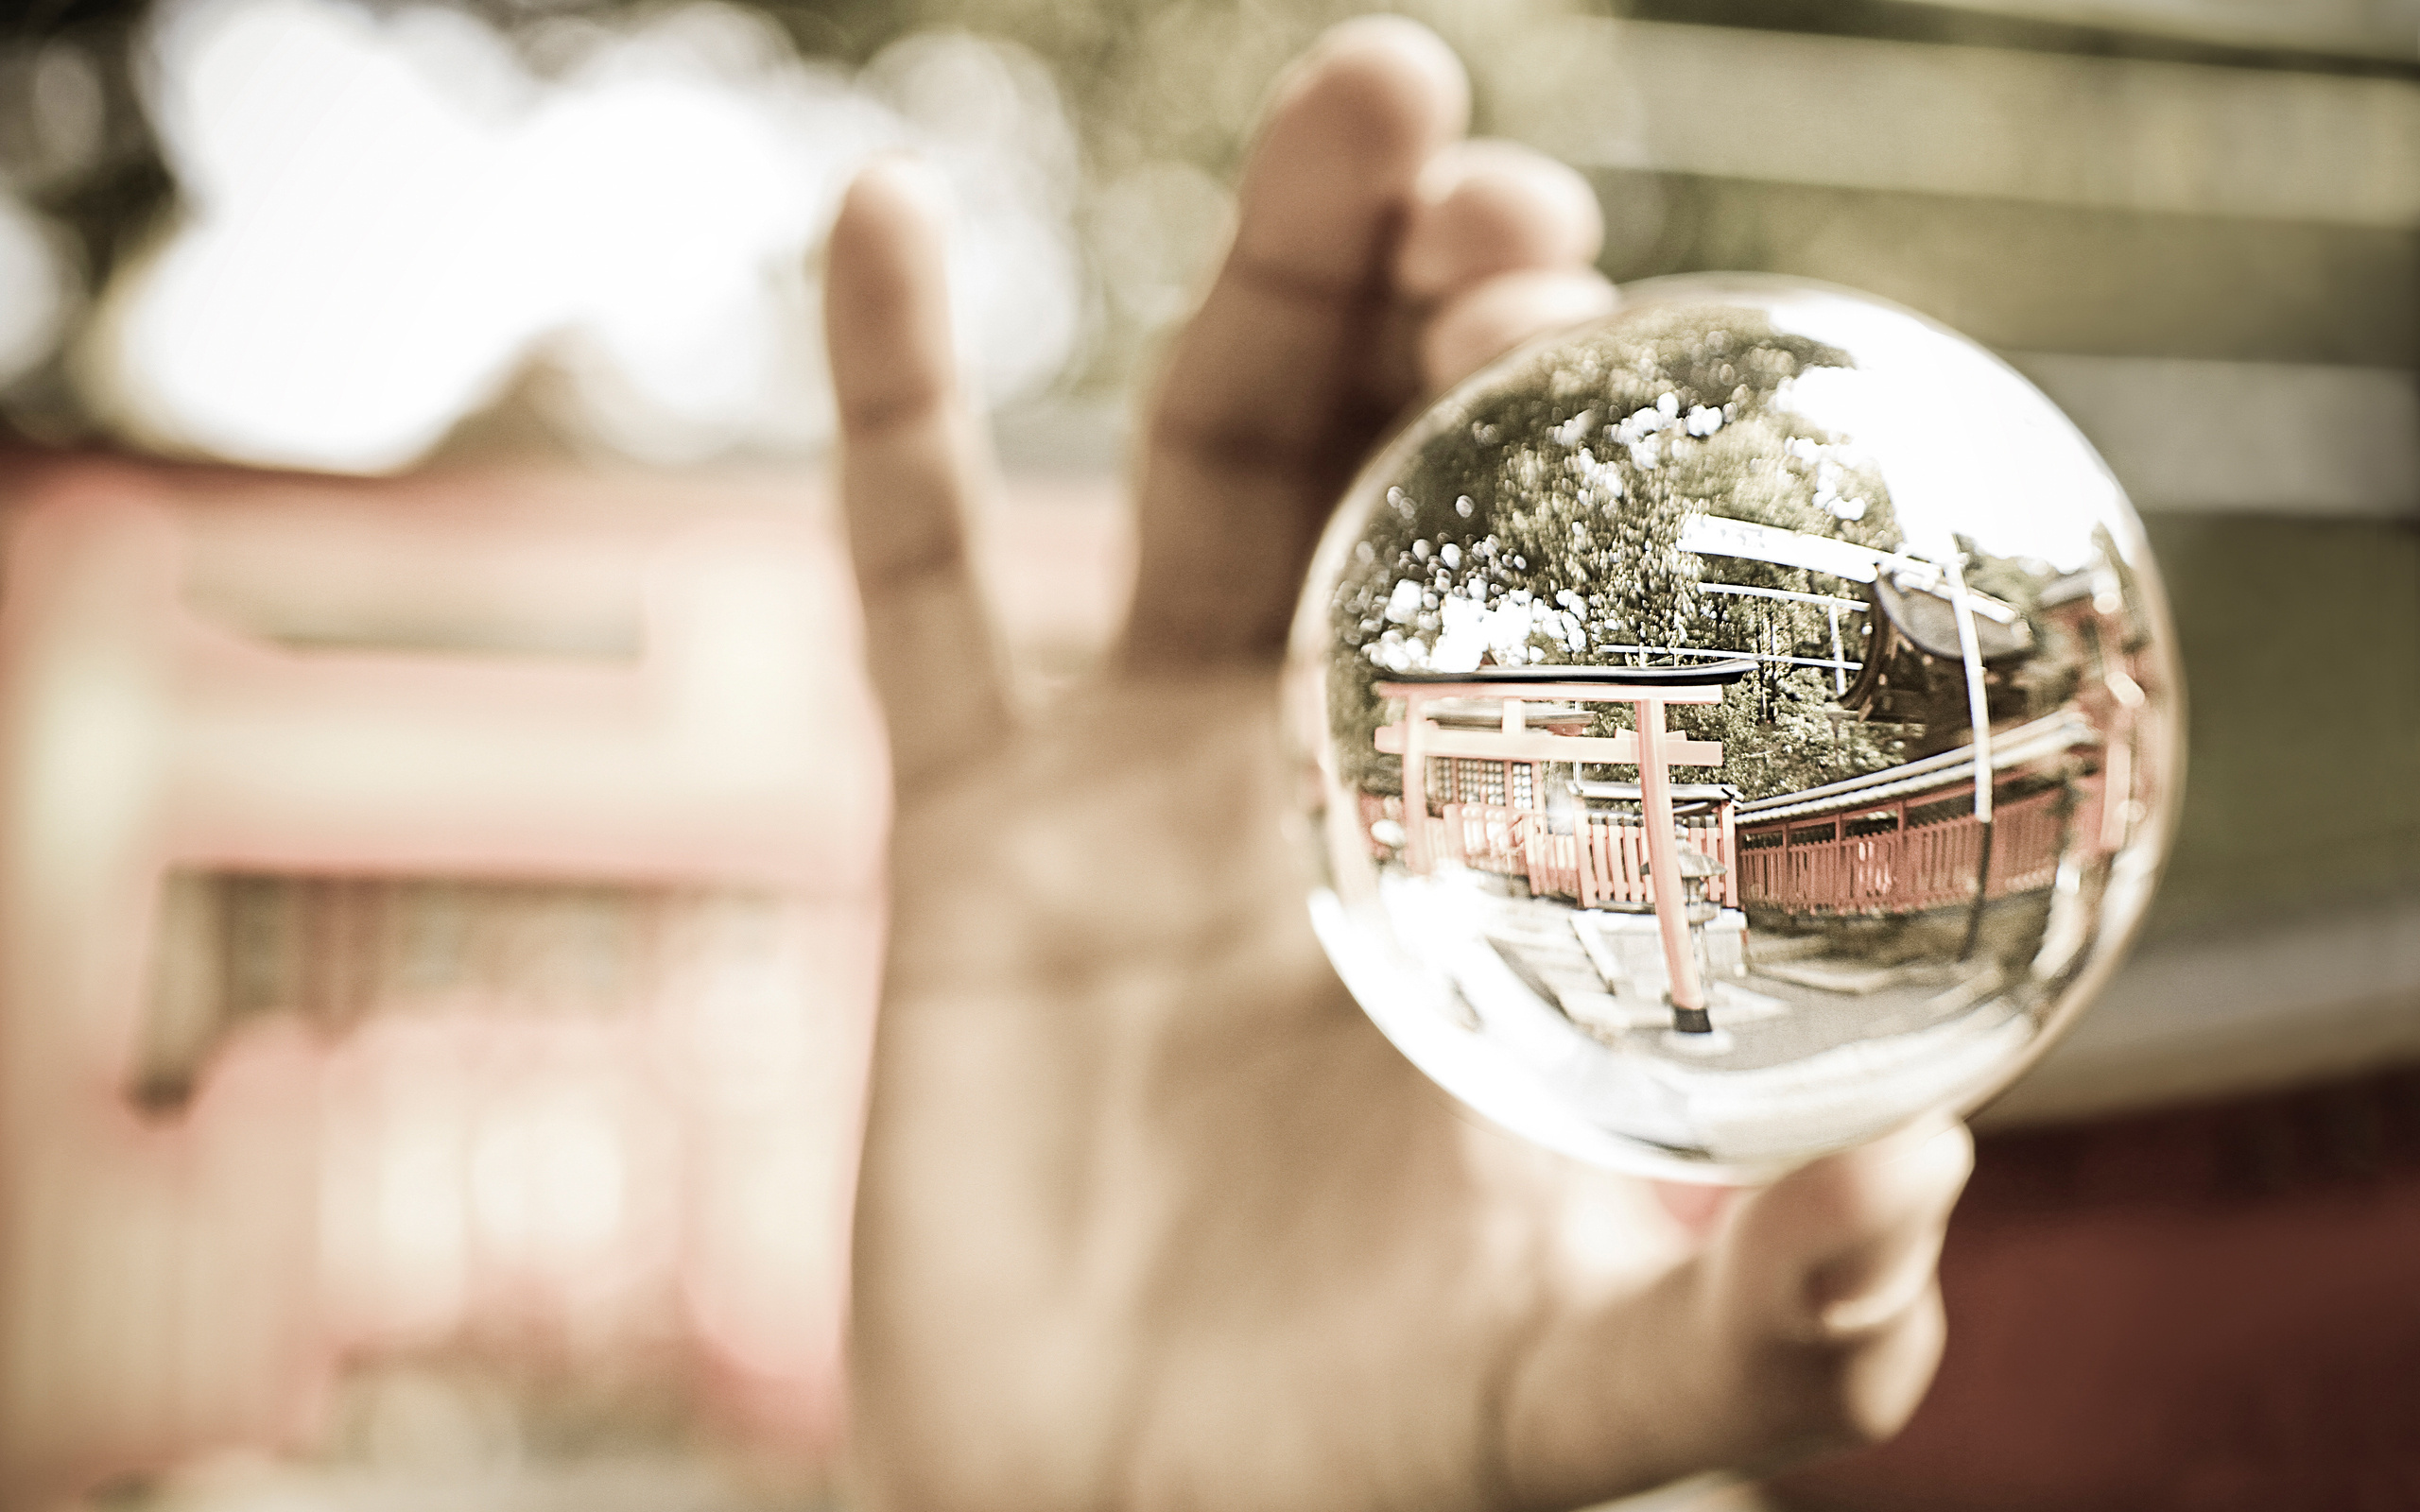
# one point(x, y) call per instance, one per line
point(1742, 726)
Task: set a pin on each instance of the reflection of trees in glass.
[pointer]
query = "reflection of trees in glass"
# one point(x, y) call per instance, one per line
point(1543, 525)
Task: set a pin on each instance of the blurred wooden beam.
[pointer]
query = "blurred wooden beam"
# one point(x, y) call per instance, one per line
point(2355, 29)
point(1856, 113)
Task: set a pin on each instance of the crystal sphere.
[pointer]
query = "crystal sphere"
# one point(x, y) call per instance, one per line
point(1742, 726)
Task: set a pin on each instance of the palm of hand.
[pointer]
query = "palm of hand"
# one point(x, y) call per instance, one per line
point(1150, 1215)
point(1206, 1236)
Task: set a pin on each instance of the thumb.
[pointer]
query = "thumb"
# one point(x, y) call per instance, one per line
point(1812, 1320)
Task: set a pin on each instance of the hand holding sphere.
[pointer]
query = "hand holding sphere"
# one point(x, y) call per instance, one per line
point(1150, 1214)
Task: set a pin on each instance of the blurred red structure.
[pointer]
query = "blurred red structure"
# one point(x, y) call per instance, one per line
point(435, 914)
point(2204, 1308)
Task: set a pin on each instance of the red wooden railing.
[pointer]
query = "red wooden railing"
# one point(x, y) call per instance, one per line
point(1902, 870)
point(1597, 861)
point(1897, 870)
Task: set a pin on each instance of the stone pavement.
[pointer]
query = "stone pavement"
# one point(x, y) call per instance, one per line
point(1823, 1039)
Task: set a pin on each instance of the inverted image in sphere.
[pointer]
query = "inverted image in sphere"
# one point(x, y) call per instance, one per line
point(1741, 725)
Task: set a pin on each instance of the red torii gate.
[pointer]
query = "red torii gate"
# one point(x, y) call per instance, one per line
point(1646, 745)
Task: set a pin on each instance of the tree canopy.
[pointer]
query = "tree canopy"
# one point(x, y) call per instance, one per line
point(1541, 523)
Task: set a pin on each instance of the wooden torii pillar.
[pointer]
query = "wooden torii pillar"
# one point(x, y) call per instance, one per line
point(1648, 745)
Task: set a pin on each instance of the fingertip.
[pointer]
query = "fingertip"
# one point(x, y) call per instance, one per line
point(1351, 126)
point(1385, 69)
point(886, 296)
point(896, 202)
point(1493, 316)
point(901, 180)
point(1488, 207)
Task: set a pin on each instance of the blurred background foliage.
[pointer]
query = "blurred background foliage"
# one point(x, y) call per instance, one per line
point(1157, 98)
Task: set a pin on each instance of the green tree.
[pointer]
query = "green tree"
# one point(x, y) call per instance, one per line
point(1550, 508)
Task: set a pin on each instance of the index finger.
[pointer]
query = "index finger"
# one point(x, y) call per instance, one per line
point(912, 466)
point(1275, 390)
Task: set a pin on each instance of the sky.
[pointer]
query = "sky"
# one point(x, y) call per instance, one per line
point(1965, 444)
